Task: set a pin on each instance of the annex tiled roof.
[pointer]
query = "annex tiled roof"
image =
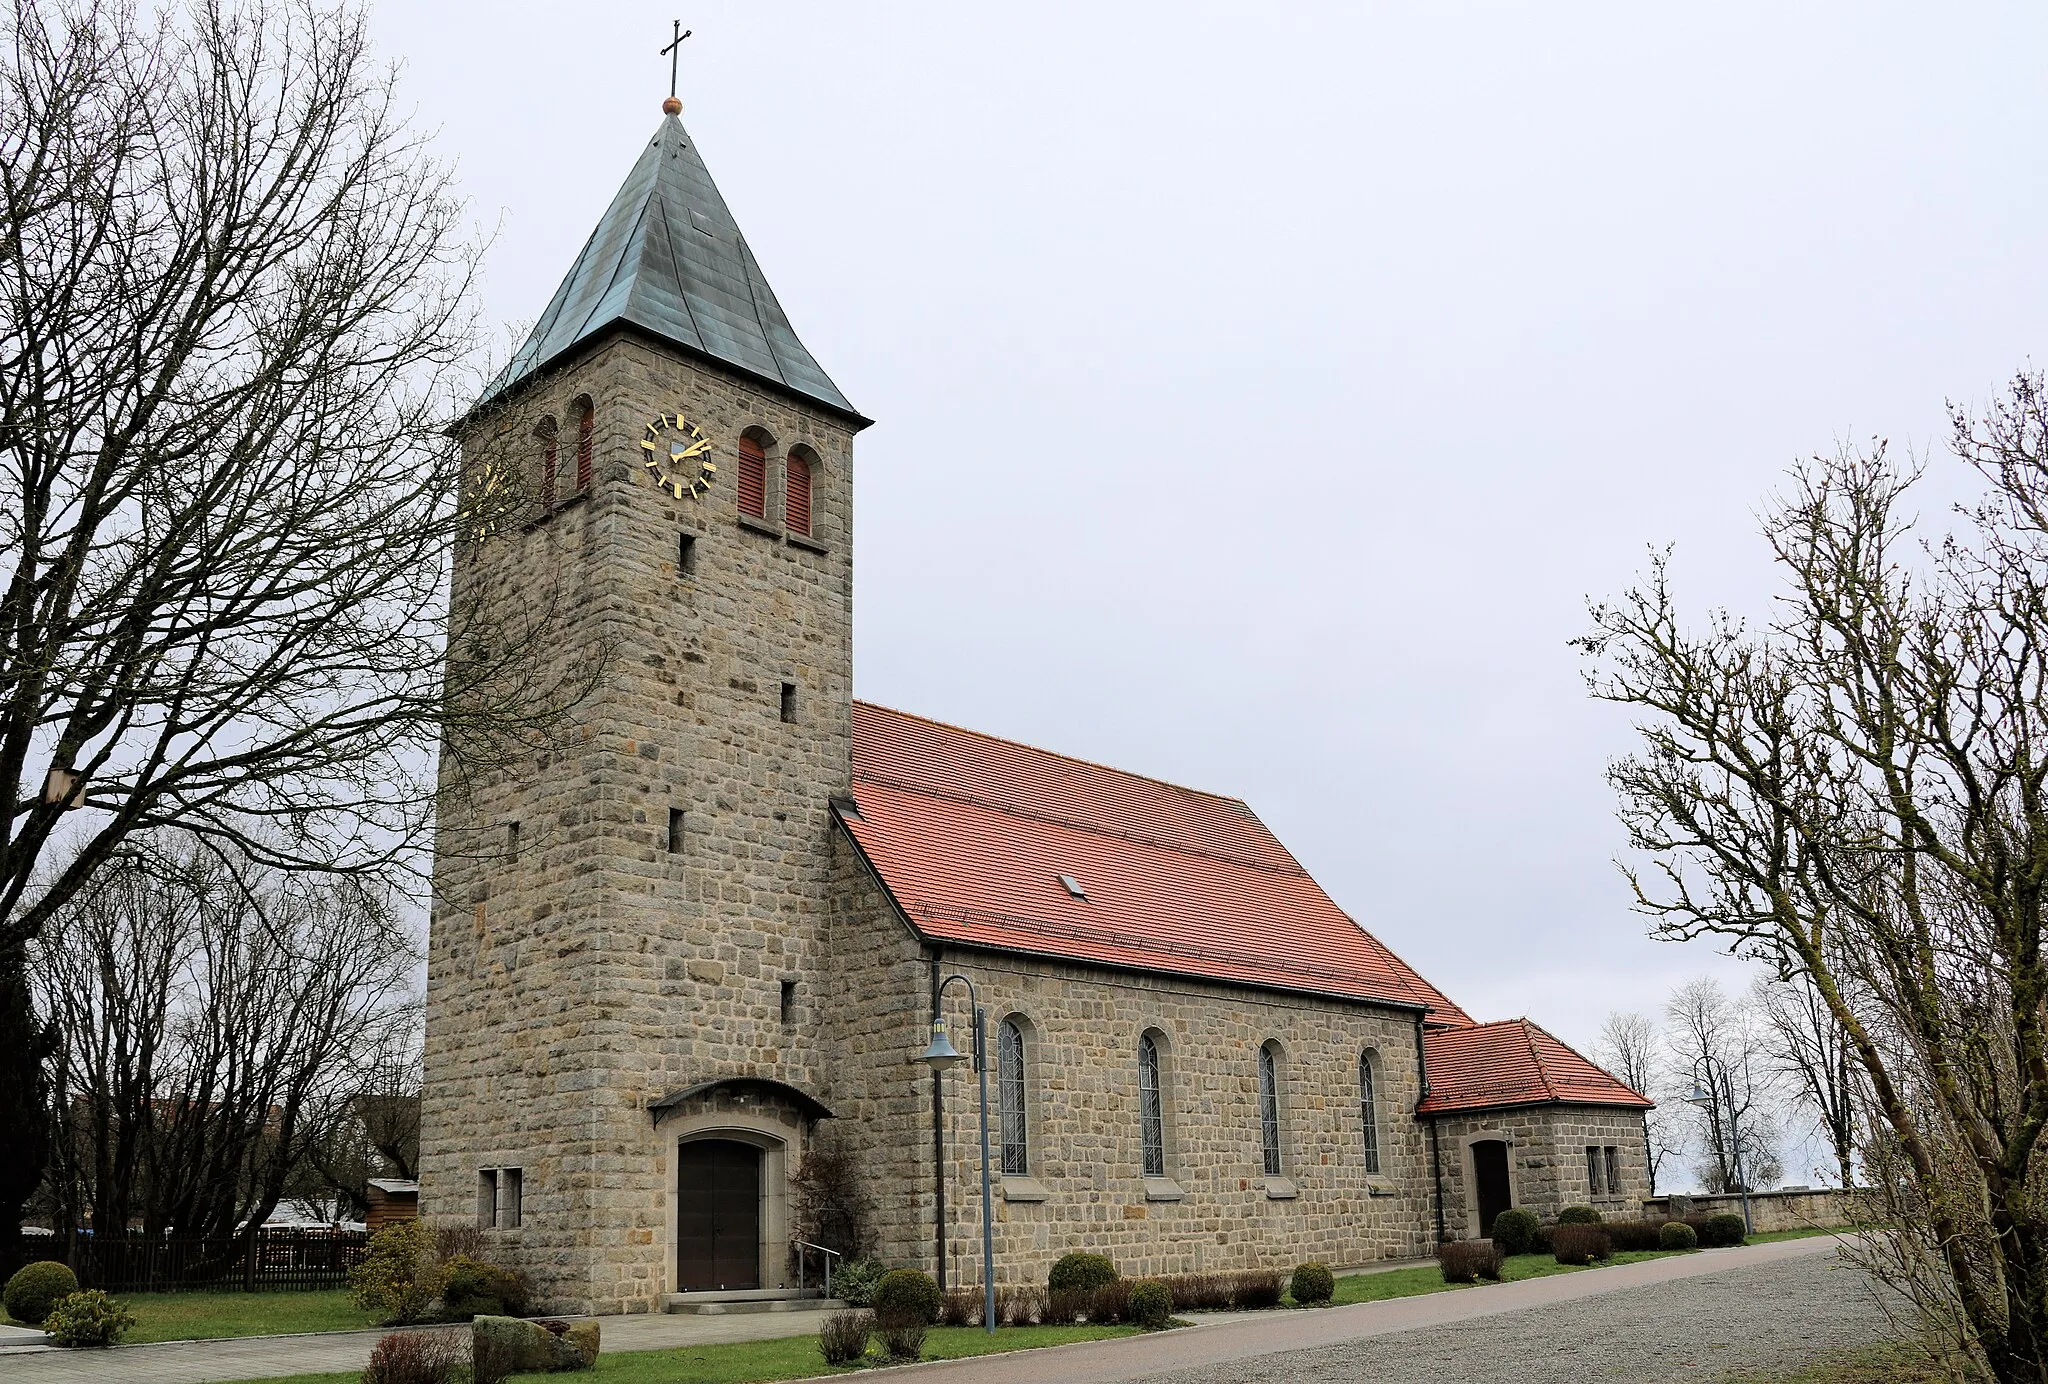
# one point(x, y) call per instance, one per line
point(1513, 1062)
point(972, 834)
point(668, 258)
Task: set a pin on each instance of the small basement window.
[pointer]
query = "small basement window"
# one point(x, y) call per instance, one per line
point(1073, 886)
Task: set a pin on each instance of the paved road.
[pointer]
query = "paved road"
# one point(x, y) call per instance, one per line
point(1564, 1328)
point(1633, 1324)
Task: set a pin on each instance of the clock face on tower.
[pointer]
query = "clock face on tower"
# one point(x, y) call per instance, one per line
point(678, 455)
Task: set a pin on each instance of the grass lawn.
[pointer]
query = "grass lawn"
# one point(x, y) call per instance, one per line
point(792, 1357)
point(209, 1316)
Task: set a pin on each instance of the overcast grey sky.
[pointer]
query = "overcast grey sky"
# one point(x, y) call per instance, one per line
point(1262, 389)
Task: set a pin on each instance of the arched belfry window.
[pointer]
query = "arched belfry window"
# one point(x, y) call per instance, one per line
point(1151, 1108)
point(586, 435)
point(1269, 1107)
point(797, 493)
point(1369, 1112)
point(550, 462)
point(1010, 1098)
point(753, 480)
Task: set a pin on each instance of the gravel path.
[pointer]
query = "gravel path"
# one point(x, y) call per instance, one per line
point(1761, 1317)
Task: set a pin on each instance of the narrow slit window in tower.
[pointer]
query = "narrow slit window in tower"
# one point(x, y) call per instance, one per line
point(675, 831)
point(789, 1001)
point(686, 555)
point(789, 702)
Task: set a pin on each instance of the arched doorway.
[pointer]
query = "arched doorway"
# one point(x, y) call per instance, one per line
point(1492, 1187)
point(718, 1215)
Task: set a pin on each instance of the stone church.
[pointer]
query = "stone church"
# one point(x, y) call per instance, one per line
point(713, 933)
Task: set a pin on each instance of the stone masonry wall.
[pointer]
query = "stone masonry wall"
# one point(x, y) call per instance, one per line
point(1085, 1190)
point(1546, 1160)
point(570, 987)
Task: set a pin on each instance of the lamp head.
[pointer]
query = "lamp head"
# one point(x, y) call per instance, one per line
point(941, 1054)
point(1700, 1096)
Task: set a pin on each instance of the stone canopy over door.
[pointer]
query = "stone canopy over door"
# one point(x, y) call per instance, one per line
point(718, 1216)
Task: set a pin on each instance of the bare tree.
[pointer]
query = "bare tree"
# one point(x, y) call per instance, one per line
point(207, 1019)
point(371, 1126)
point(1631, 1048)
point(1811, 1055)
point(1717, 1046)
point(1857, 793)
point(235, 319)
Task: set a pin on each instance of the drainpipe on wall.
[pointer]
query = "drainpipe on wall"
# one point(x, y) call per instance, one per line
point(1436, 1157)
point(938, 1147)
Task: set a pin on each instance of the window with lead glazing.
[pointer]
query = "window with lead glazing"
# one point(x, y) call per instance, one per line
point(1151, 1110)
point(1010, 1093)
point(1613, 1160)
point(1368, 1113)
point(1269, 1109)
point(1593, 1170)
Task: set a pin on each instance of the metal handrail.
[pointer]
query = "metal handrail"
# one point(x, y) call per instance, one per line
point(830, 1255)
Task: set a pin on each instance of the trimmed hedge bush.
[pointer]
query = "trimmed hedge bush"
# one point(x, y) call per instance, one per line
point(1633, 1235)
point(1150, 1304)
point(1083, 1272)
point(1578, 1215)
point(905, 1296)
point(1580, 1244)
point(472, 1288)
point(1677, 1235)
point(1514, 1230)
point(36, 1288)
point(1720, 1231)
point(1312, 1284)
point(1468, 1261)
point(89, 1319)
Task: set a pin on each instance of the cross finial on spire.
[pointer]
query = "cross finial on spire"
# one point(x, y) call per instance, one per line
point(673, 105)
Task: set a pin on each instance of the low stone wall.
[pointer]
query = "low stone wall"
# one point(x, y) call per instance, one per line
point(1791, 1209)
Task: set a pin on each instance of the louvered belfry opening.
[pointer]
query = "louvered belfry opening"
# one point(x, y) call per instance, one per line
point(797, 501)
point(753, 478)
point(586, 427)
point(548, 461)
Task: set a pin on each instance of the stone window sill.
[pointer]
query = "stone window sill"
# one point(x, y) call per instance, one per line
point(1281, 1189)
point(804, 540)
point(1162, 1189)
point(1024, 1189)
point(1378, 1187)
point(760, 526)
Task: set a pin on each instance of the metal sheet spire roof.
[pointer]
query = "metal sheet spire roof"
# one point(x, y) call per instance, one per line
point(668, 259)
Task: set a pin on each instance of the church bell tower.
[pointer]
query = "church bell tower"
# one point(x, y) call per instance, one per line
point(621, 1063)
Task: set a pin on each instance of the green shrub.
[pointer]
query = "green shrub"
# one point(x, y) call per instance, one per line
point(1632, 1235)
point(399, 1278)
point(1515, 1230)
point(1578, 1215)
point(843, 1338)
point(1258, 1289)
point(1721, 1231)
point(88, 1318)
point(907, 1295)
point(1081, 1272)
point(1677, 1235)
point(35, 1289)
point(1313, 1284)
point(854, 1282)
point(1150, 1304)
point(472, 1288)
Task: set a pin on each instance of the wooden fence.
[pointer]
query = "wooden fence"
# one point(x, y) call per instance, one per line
point(278, 1257)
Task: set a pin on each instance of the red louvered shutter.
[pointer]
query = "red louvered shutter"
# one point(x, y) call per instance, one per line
point(798, 508)
point(547, 470)
point(753, 479)
point(586, 424)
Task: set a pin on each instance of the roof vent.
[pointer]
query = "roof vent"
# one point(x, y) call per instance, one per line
point(1074, 886)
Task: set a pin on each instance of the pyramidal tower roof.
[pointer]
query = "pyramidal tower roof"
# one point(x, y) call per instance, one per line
point(668, 259)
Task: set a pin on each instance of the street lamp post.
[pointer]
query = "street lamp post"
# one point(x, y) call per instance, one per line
point(1704, 1097)
point(940, 1055)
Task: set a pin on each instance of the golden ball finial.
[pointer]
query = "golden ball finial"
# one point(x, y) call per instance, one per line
point(671, 106)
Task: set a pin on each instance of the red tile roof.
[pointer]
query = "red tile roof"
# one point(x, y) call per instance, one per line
point(971, 834)
point(1513, 1062)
